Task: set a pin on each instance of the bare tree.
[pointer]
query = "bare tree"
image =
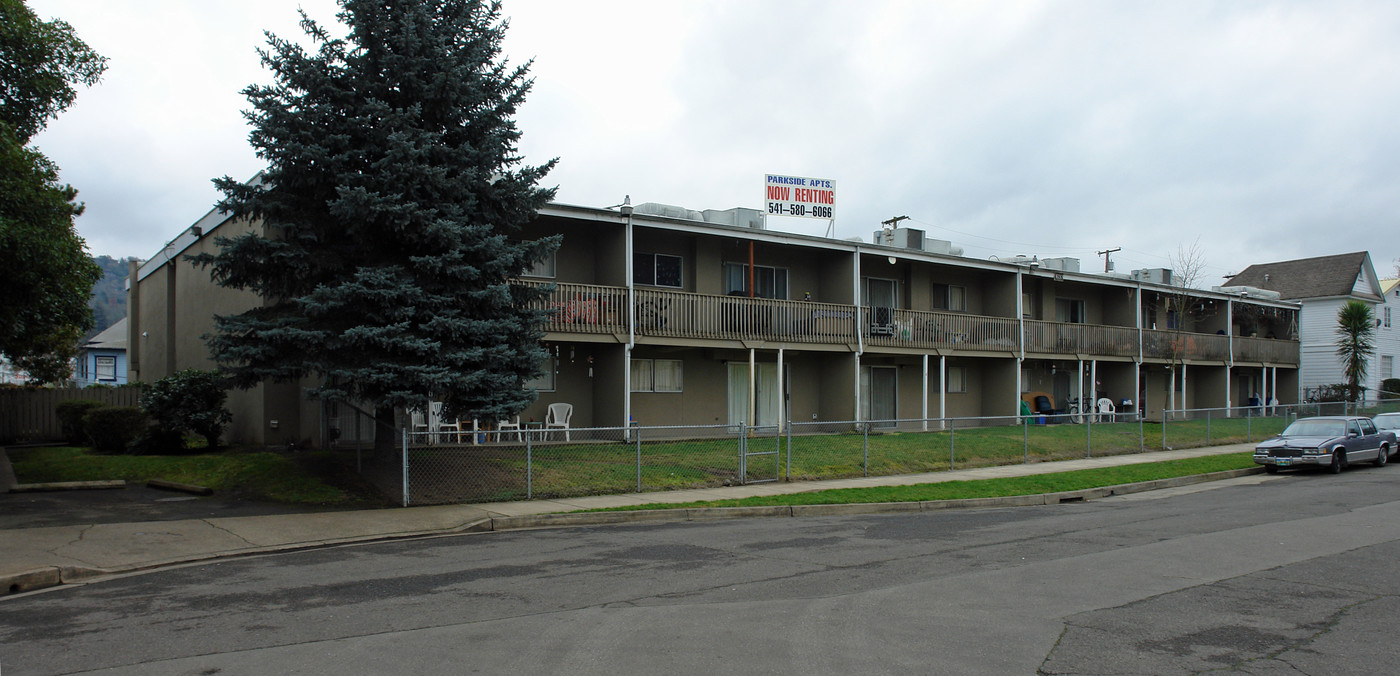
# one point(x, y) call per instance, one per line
point(1188, 269)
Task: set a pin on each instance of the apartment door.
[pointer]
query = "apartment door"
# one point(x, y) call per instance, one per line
point(879, 391)
point(765, 394)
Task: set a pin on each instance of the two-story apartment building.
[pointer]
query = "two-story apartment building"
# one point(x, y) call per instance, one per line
point(667, 316)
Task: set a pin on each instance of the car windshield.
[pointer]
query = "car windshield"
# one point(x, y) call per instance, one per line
point(1316, 428)
point(1388, 421)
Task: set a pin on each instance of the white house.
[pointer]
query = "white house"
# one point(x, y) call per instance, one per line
point(1387, 334)
point(1323, 285)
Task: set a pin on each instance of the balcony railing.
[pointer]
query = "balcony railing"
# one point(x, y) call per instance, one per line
point(692, 315)
point(588, 308)
point(1266, 350)
point(888, 327)
point(1184, 345)
point(584, 308)
point(1065, 338)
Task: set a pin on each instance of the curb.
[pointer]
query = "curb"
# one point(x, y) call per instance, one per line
point(179, 487)
point(67, 486)
point(51, 576)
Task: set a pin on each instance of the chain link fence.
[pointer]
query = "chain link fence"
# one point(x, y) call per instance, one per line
point(534, 463)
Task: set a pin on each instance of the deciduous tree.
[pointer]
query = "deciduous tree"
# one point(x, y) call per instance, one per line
point(47, 276)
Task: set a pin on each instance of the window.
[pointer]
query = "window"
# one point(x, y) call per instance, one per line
point(656, 270)
point(657, 375)
point(1025, 380)
point(544, 383)
point(1027, 306)
point(544, 268)
point(957, 379)
point(949, 297)
point(1387, 317)
point(106, 368)
point(1069, 311)
point(1387, 367)
point(770, 282)
point(1367, 426)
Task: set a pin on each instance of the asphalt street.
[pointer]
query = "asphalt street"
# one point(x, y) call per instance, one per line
point(1264, 575)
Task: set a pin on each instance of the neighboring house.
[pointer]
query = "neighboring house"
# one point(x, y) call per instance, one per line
point(102, 360)
point(669, 316)
point(1322, 285)
point(1387, 334)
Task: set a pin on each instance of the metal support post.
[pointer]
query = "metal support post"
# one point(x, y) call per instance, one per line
point(638, 432)
point(1207, 427)
point(952, 440)
point(865, 448)
point(1089, 437)
point(1025, 439)
point(529, 469)
point(1164, 429)
point(789, 451)
point(405, 466)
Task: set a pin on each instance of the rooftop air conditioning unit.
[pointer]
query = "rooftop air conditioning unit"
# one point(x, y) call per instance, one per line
point(1153, 275)
point(904, 238)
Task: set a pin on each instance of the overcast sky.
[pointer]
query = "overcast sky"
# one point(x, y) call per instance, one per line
point(1264, 130)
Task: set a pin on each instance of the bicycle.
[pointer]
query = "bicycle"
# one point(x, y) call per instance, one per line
point(1080, 408)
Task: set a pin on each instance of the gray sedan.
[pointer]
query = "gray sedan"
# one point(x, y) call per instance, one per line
point(1330, 441)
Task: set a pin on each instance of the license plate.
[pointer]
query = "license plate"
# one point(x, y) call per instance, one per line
point(1283, 462)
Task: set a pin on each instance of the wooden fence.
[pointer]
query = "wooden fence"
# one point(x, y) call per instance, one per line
point(27, 416)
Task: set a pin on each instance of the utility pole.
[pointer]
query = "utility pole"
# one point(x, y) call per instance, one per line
point(1107, 259)
point(890, 225)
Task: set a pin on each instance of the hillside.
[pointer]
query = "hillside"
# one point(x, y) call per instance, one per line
point(108, 301)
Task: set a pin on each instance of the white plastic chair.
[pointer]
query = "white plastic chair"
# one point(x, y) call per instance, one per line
point(1106, 409)
point(558, 418)
point(416, 422)
point(504, 426)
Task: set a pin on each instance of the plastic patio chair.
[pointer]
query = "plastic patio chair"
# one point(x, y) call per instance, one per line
point(558, 418)
point(1106, 409)
point(504, 426)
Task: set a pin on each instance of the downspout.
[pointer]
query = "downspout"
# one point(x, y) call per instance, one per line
point(631, 325)
point(1020, 336)
point(1230, 348)
point(860, 336)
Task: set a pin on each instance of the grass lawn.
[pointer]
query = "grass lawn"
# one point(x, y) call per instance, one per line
point(306, 479)
point(985, 488)
point(441, 474)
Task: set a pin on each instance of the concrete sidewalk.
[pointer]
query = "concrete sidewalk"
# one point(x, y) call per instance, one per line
point(33, 558)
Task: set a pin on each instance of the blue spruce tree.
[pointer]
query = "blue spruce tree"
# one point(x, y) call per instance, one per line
point(390, 215)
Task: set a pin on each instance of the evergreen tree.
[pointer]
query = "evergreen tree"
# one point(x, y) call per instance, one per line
point(1356, 342)
point(390, 215)
point(47, 275)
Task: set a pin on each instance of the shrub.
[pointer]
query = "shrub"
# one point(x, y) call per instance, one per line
point(113, 428)
point(1390, 388)
point(189, 401)
point(70, 417)
point(1331, 393)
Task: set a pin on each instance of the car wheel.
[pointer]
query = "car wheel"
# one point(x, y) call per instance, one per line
point(1382, 456)
point(1270, 469)
point(1336, 466)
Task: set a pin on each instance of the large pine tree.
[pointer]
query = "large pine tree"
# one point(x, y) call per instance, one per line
point(390, 215)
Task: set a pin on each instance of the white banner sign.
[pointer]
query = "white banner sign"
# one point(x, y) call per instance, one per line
point(799, 196)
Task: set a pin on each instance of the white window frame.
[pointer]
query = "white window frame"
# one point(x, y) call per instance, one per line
point(656, 259)
point(957, 380)
point(679, 368)
point(1386, 313)
point(1387, 366)
point(547, 382)
point(101, 373)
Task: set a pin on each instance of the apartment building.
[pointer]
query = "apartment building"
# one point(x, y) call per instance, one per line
point(668, 316)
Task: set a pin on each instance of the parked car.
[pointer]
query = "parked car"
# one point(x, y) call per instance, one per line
point(1388, 422)
point(1330, 441)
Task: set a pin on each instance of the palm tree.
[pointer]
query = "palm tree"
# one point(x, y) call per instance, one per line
point(1356, 341)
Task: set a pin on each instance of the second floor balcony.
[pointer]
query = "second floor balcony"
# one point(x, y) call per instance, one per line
point(594, 309)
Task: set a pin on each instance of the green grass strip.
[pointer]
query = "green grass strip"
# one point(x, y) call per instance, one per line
point(261, 475)
point(983, 488)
